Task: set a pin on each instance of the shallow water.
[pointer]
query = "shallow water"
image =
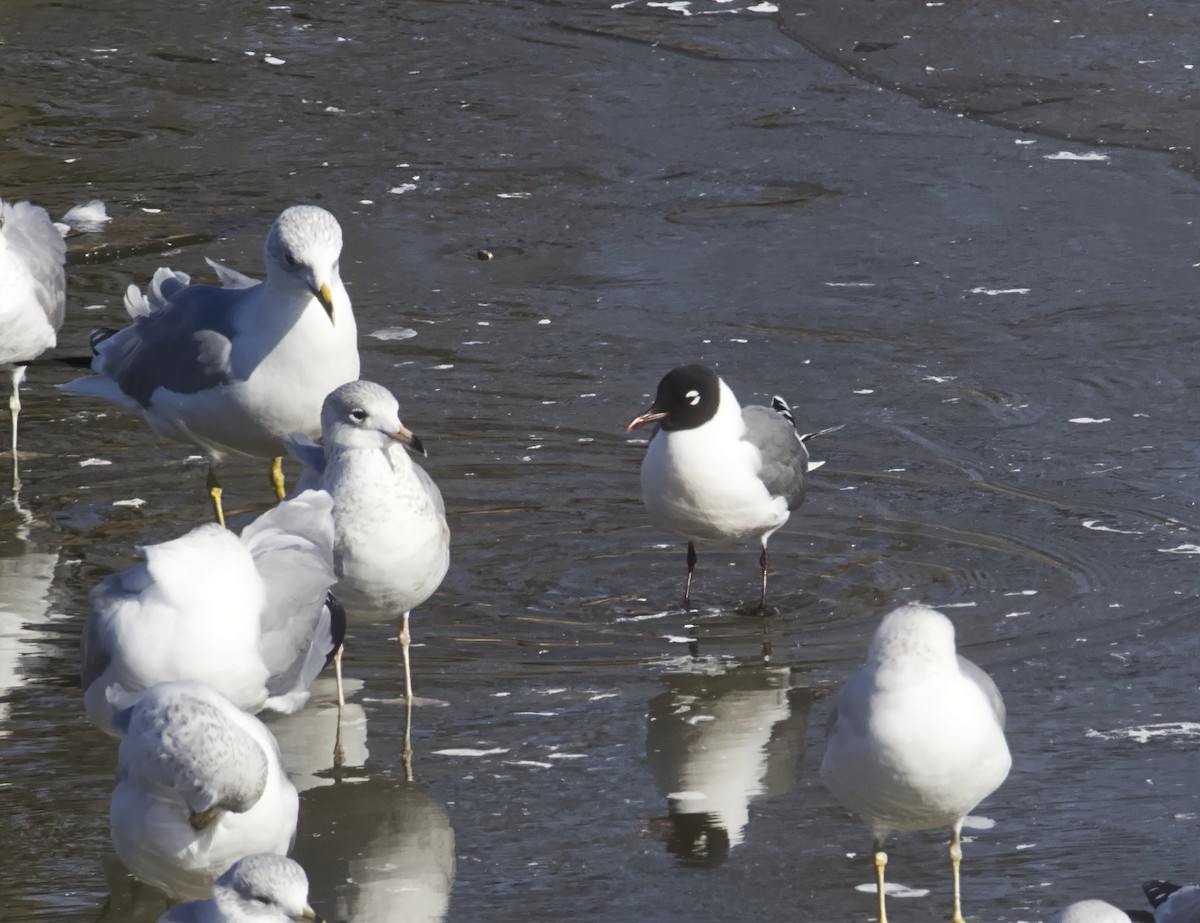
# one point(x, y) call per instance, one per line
point(1006, 332)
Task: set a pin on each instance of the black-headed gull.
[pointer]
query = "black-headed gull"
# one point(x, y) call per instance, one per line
point(715, 471)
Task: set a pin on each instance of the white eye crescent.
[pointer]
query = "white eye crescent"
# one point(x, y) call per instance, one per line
point(692, 397)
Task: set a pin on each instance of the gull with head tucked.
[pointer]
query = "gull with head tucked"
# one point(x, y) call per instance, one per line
point(234, 369)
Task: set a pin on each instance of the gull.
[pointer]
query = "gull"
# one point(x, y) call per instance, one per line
point(234, 369)
point(260, 888)
point(715, 471)
point(33, 299)
point(391, 540)
point(199, 785)
point(1173, 903)
point(916, 736)
point(1090, 911)
point(250, 616)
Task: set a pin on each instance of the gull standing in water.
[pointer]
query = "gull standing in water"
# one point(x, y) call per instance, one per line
point(199, 785)
point(391, 540)
point(33, 296)
point(250, 616)
point(715, 471)
point(916, 736)
point(234, 369)
point(261, 888)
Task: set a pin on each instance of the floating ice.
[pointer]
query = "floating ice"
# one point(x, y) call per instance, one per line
point(1090, 420)
point(1088, 157)
point(393, 333)
point(981, 290)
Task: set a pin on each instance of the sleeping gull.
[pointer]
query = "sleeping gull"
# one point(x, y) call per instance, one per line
point(232, 370)
point(33, 292)
point(199, 785)
point(261, 888)
point(717, 472)
point(250, 616)
point(916, 736)
point(392, 543)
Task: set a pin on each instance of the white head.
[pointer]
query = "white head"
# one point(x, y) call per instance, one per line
point(302, 251)
point(913, 633)
point(364, 415)
point(264, 886)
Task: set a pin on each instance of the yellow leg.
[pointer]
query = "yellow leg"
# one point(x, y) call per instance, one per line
point(955, 862)
point(277, 477)
point(14, 409)
point(881, 860)
point(404, 639)
point(214, 493)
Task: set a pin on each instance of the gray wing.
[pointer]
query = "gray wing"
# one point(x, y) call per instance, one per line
point(96, 656)
point(184, 346)
point(310, 455)
point(431, 488)
point(784, 457)
point(984, 682)
point(292, 547)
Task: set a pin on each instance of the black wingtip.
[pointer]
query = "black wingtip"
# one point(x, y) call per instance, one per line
point(1157, 892)
point(780, 406)
point(337, 625)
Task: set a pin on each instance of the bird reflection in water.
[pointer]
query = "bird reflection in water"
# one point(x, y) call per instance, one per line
point(377, 849)
point(719, 738)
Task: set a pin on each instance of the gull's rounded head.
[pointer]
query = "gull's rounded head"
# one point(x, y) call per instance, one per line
point(269, 880)
point(913, 633)
point(687, 397)
point(305, 244)
point(364, 415)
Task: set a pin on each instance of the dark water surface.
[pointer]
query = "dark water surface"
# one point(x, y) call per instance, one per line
point(1003, 320)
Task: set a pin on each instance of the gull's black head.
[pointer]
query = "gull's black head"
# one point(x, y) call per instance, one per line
point(687, 397)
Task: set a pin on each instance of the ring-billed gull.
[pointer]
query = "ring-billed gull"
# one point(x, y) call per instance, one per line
point(33, 293)
point(232, 370)
point(916, 736)
point(392, 543)
point(199, 785)
point(250, 616)
point(1173, 903)
point(715, 471)
point(1090, 911)
point(261, 888)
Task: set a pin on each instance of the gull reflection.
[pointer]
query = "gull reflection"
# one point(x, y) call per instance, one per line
point(317, 739)
point(719, 738)
point(25, 581)
point(379, 849)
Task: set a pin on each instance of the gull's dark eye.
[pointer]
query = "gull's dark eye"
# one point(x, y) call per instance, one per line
point(358, 414)
point(291, 260)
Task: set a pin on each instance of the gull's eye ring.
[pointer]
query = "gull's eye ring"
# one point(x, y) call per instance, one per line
point(692, 397)
point(358, 415)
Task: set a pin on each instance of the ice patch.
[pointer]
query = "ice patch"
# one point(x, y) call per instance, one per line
point(468, 751)
point(1181, 549)
point(1089, 157)
point(393, 333)
point(982, 290)
point(1090, 420)
point(1170, 730)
